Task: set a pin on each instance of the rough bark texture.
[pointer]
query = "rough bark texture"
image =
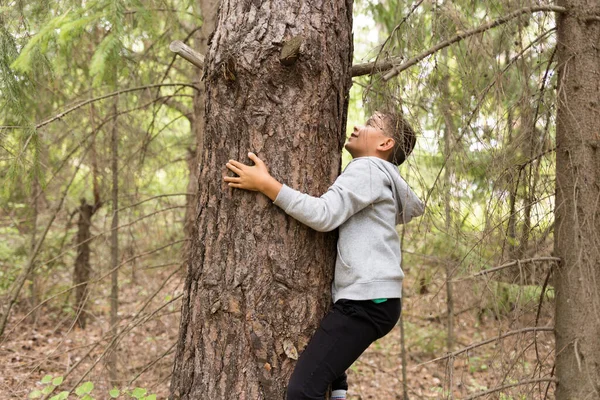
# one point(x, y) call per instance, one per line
point(577, 228)
point(81, 273)
point(259, 282)
point(209, 14)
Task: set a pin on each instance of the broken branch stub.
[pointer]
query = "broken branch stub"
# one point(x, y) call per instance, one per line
point(187, 53)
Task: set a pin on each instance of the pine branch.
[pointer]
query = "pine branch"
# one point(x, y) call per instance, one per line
point(463, 35)
point(371, 68)
point(109, 95)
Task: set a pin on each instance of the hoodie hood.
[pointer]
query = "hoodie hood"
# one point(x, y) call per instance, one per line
point(408, 205)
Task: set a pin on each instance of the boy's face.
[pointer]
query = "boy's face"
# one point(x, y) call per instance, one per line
point(369, 139)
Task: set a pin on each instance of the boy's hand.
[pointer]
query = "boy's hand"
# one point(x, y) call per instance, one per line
point(253, 177)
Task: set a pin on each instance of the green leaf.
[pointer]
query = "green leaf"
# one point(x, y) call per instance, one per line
point(46, 379)
point(114, 393)
point(87, 397)
point(138, 393)
point(57, 381)
point(48, 389)
point(151, 397)
point(61, 396)
point(85, 387)
point(35, 394)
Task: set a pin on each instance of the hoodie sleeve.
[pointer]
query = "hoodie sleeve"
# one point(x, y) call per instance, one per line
point(411, 205)
point(358, 186)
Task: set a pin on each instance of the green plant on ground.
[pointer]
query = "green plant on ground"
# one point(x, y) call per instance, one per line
point(84, 391)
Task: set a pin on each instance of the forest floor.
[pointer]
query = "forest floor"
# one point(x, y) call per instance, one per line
point(53, 346)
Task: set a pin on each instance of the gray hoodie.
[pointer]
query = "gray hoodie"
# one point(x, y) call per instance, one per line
point(366, 202)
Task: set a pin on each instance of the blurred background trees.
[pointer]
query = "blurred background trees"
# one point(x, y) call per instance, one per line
point(94, 108)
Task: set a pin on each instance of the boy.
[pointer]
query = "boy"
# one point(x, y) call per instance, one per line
point(366, 202)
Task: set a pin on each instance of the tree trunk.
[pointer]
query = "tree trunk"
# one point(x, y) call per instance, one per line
point(35, 193)
point(577, 226)
point(208, 9)
point(259, 282)
point(450, 264)
point(114, 247)
point(82, 270)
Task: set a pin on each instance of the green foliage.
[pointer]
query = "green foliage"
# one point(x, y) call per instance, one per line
point(12, 255)
point(53, 55)
point(107, 51)
point(39, 42)
point(84, 391)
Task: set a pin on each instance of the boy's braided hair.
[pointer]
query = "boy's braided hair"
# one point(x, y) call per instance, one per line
point(396, 127)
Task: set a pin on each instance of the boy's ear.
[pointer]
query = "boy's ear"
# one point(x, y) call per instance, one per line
point(387, 144)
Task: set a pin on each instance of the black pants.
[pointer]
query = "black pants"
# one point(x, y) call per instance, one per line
point(344, 334)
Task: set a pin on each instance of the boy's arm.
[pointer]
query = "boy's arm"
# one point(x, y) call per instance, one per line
point(360, 185)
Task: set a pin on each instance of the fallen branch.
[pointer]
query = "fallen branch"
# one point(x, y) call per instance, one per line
point(125, 330)
point(151, 364)
point(116, 338)
point(494, 339)
point(91, 281)
point(507, 265)
point(497, 389)
point(463, 35)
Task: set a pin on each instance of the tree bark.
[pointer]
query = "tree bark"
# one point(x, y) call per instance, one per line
point(577, 226)
point(82, 270)
point(259, 282)
point(209, 14)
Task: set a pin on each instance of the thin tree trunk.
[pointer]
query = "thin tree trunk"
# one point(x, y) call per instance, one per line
point(34, 284)
point(512, 216)
point(259, 282)
point(448, 172)
point(403, 351)
point(114, 247)
point(577, 226)
point(29, 266)
point(404, 361)
point(529, 149)
point(82, 270)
